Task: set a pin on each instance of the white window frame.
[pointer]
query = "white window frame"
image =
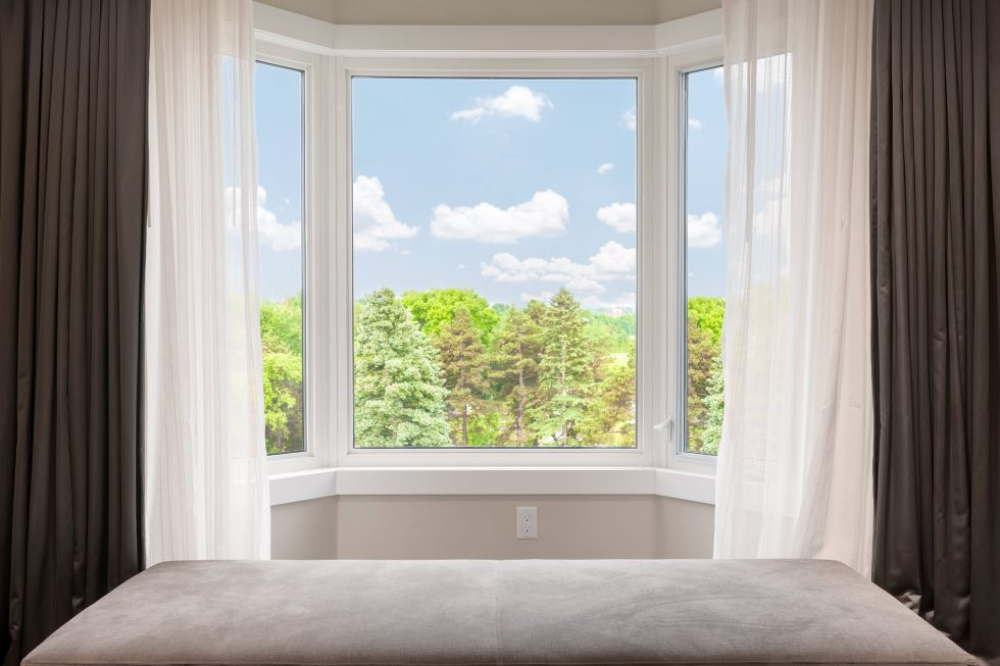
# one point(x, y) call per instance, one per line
point(651, 408)
point(678, 66)
point(655, 57)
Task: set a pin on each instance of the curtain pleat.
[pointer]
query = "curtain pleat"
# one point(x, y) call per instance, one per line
point(935, 182)
point(73, 83)
point(793, 475)
point(206, 464)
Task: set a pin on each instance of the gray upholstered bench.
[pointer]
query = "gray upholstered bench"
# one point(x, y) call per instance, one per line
point(488, 612)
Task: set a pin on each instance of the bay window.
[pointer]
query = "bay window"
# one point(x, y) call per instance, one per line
point(476, 261)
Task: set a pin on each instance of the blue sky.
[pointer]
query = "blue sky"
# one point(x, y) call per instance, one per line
point(512, 188)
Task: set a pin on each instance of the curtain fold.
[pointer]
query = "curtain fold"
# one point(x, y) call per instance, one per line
point(793, 475)
point(73, 86)
point(935, 183)
point(206, 465)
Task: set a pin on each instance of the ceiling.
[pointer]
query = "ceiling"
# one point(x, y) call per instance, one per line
point(496, 12)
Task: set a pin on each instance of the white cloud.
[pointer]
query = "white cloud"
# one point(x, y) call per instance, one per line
point(605, 168)
point(718, 74)
point(375, 225)
point(694, 123)
point(627, 119)
point(278, 236)
point(517, 102)
point(612, 262)
point(594, 302)
point(703, 230)
point(618, 216)
point(545, 214)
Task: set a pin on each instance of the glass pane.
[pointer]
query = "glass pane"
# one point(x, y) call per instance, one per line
point(705, 164)
point(279, 105)
point(494, 236)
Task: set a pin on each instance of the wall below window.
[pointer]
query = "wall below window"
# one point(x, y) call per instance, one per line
point(445, 527)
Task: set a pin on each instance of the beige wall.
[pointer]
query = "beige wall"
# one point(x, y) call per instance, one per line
point(419, 527)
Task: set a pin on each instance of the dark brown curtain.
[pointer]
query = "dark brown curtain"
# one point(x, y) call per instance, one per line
point(73, 79)
point(935, 193)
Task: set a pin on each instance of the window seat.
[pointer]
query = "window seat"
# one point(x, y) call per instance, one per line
point(497, 612)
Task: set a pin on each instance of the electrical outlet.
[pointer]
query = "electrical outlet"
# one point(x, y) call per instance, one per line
point(527, 522)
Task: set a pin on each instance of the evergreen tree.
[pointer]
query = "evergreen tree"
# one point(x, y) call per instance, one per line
point(517, 351)
point(399, 393)
point(564, 372)
point(611, 416)
point(715, 407)
point(464, 358)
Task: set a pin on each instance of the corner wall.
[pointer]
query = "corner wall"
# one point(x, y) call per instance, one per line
point(482, 527)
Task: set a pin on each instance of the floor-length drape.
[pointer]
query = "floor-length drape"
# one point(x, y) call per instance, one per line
point(73, 86)
point(206, 469)
point(935, 169)
point(795, 458)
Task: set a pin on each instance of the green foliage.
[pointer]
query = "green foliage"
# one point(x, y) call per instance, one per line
point(464, 358)
point(516, 356)
point(715, 407)
point(543, 375)
point(705, 387)
point(399, 392)
point(617, 333)
point(706, 313)
point(564, 374)
point(443, 367)
point(434, 308)
point(281, 345)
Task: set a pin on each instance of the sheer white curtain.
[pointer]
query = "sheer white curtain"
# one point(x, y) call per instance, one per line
point(795, 462)
point(206, 466)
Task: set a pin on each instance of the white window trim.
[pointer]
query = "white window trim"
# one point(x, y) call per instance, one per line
point(652, 405)
point(676, 67)
point(330, 54)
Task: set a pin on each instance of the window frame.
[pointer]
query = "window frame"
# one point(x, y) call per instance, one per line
point(678, 67)
point(313, 47)
point(646, 408)
point(314, 202)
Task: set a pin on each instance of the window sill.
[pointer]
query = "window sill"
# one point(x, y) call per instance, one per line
point(333, 481)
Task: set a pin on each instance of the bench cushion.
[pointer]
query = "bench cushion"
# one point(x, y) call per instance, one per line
point(497, 612)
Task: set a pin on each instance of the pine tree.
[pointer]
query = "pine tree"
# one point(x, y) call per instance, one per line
point(611, 416)
point(517, 351)
point(563, 372)
point(399, 393)
point(464, 358)
point(715, 407)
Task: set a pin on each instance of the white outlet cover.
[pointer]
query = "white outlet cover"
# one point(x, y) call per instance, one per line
point(527, 522)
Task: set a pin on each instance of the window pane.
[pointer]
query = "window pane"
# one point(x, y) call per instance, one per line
point(705, 163)
point(279, 104)
point(494, 238)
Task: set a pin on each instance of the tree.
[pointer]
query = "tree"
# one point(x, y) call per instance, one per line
point(701, 354)
point(563, 372)
point(399, 393)
point(434, 308)
point(611, 414)
point(516, 356)
point(715, 407)
point(464, 358)
point(707, 313)
point(281, 346)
